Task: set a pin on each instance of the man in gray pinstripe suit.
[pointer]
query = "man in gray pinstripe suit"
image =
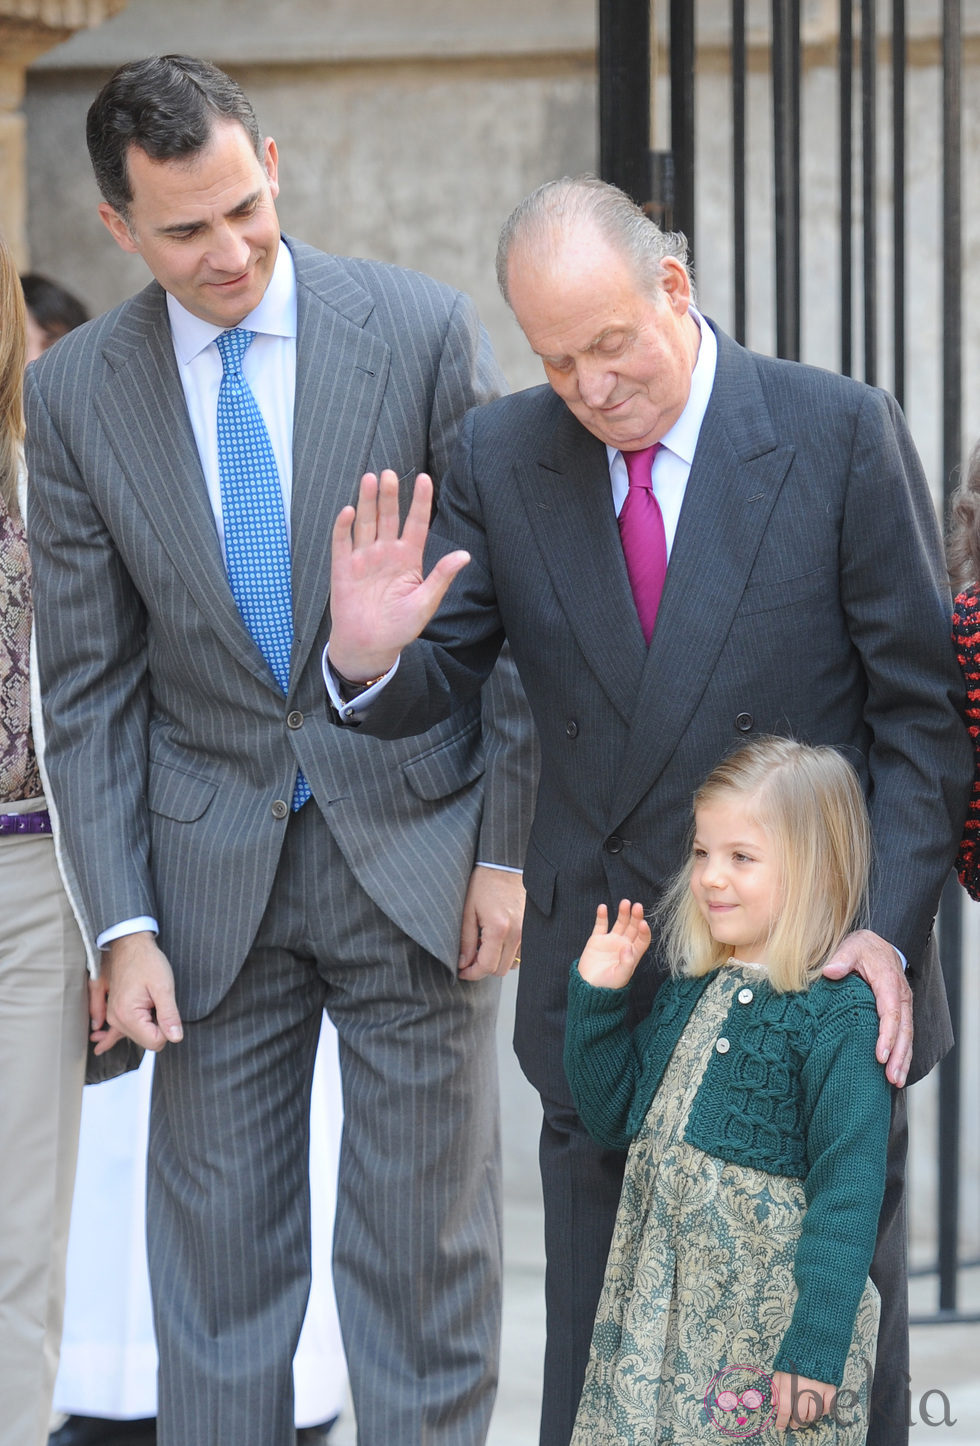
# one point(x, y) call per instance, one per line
point(227, 917)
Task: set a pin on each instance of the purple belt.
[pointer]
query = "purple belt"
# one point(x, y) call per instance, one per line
point(39, 822)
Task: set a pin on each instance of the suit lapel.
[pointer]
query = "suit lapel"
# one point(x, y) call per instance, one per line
point(569, 507)
point(736, 476)
point(145, 419)
point(341, 375)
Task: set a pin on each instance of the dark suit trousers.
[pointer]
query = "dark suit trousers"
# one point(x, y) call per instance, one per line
point(417, 1242)
point(582, 1183)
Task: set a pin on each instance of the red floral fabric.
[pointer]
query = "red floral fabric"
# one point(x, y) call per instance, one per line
point(966, 639)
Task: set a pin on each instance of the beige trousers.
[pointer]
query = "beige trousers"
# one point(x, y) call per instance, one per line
point(43, 1026)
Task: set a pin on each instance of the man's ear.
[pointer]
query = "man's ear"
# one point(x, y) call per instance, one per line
point(118, 228)
point(270, 162)
point(675, 283)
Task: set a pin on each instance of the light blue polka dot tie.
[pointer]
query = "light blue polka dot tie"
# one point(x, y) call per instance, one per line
point(256, 541)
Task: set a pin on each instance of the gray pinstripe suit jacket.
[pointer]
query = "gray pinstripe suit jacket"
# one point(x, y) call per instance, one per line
point(168, 740)
point(806, 595)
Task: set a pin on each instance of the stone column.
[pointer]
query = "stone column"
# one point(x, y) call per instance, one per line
point(27, 29)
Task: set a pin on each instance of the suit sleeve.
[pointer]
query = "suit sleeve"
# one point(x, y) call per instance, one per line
point(896, 599)
point(469, 376)
point(91, 650)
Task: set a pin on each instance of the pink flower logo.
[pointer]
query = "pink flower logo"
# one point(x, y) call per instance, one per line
point(740, 1401)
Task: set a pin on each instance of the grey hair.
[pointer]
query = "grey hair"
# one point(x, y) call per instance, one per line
point(558, 205)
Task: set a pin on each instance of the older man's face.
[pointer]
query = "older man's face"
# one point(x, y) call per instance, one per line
point(620, 360)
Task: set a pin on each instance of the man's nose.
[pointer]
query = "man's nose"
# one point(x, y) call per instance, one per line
point(595, 383)
point(229, 252)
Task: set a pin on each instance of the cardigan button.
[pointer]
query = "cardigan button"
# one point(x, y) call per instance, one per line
point(745, 996)
point(722, 1045)
point(743, 722)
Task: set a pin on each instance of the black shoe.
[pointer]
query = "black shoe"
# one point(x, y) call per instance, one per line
point(315, 1435)
point(94, 1431)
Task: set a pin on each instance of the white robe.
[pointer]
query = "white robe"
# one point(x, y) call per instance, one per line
point(108, 1352)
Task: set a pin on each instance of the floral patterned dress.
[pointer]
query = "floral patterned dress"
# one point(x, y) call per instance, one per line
point(699, 1287)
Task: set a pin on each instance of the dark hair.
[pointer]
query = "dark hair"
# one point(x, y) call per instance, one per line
point(55, 310)
point(963, 541)
point(167, 105)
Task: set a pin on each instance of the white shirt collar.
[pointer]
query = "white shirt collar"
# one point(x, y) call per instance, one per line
point(682, 439)
point(275, 314)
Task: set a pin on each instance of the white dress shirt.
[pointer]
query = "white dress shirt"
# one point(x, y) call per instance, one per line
point(672, 464)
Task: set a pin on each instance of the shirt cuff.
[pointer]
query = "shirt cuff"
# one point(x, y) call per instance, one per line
point(504, 868)
point(348, 709)
point(128, 926)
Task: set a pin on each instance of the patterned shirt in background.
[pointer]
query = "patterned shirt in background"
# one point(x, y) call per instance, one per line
point(966, 640)
point(19, 774)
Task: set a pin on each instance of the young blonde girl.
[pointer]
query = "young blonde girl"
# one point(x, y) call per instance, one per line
point(736, 1300)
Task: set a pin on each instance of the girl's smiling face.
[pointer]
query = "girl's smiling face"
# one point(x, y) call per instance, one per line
point(735, 877)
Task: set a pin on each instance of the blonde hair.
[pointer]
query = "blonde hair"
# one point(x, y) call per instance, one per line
point(13, 350)
point(809, 803)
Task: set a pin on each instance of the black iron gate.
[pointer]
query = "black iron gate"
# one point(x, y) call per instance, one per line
point(663, 182)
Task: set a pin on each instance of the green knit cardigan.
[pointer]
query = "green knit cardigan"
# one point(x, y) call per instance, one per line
point(792, 1088)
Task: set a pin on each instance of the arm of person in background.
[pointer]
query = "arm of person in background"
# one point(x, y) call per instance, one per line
point(896, 599)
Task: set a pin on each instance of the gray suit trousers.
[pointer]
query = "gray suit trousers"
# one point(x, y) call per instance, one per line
point(417, 1242)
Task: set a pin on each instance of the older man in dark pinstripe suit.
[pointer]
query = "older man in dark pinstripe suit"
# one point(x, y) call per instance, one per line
point(229, 910)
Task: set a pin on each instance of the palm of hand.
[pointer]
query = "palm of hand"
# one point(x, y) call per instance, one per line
point(610, 957)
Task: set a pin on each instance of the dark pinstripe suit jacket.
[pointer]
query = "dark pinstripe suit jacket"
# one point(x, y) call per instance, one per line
point(168, 740)
point(806, 595)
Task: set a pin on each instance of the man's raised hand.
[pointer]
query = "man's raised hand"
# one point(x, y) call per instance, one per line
point(379, 599)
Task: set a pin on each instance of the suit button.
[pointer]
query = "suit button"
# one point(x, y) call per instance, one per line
point(613, 844)
point(722, 1045)
point(571, 728)
point(280, 808)
point(294, 720)
point(745, 996)
point(743, 722)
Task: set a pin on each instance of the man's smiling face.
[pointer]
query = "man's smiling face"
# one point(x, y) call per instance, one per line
point(205, 225)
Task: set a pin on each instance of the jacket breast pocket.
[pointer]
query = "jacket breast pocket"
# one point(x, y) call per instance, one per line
point(175, 793)
point(767, 596)
point(448, 766)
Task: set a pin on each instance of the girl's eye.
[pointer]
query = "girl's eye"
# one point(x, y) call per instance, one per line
point(700, 854)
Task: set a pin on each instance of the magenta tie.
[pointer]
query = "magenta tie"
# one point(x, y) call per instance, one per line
point(641, 527)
